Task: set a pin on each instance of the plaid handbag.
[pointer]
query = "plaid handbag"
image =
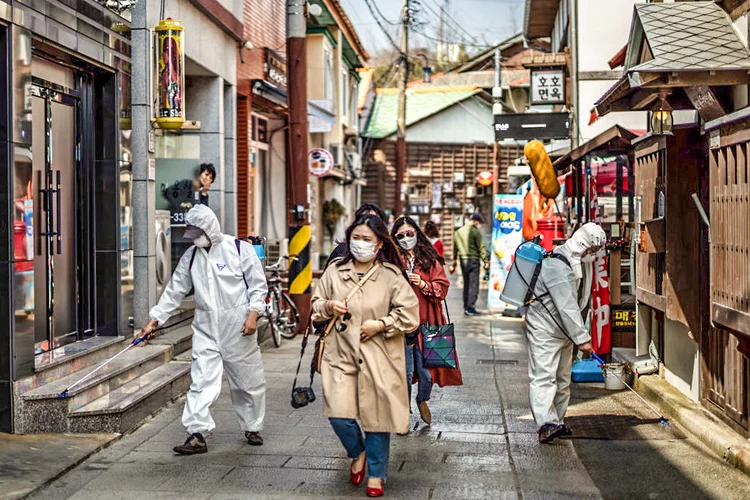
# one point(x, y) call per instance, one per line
point(439, 345)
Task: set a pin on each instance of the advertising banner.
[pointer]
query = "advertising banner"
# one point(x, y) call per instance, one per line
point(600, 334)
point(506, 237)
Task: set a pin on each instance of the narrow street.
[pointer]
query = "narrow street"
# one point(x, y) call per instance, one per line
point(482, 444)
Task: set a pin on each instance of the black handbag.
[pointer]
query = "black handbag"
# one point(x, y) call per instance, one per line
point(303, 396)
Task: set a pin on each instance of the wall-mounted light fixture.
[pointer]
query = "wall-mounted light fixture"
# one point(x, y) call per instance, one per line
point(247, 45)
point(662, 121)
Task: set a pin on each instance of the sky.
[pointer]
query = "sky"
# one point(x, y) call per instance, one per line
point(487, 21)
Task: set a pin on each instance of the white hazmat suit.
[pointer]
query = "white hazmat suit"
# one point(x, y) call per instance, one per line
point(228, 285)
point(565, 291)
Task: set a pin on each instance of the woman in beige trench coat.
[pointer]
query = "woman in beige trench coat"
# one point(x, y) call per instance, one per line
point(363, 366)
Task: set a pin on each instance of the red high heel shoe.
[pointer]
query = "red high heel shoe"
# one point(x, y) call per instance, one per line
point(357, 477)
point(375, 492)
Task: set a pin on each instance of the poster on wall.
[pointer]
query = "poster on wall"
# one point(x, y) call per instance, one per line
point(437, 195)
point(506, 237)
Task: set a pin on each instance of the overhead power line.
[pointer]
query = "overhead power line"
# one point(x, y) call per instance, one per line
point(380, 24)
point(453, 24)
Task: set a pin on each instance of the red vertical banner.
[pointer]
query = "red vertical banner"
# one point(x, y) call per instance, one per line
point(600, 330)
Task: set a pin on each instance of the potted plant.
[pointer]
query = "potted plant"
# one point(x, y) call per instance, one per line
point(332, 213)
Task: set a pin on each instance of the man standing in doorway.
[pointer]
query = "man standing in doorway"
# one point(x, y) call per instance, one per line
point(468, 245)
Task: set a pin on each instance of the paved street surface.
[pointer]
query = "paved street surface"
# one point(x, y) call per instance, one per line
point(482, 444)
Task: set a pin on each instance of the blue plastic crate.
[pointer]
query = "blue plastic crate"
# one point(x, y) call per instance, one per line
point(587, 370)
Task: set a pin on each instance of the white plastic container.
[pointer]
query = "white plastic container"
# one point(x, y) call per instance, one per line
point(613, 372)
point(528, 257)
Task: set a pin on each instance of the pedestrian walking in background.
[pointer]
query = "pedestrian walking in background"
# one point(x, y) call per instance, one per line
point(363, 369)
point(230, 292)
point(425, 270)
point(432, 231)
point(562, 297)
point(342, 248)
point(468, 246)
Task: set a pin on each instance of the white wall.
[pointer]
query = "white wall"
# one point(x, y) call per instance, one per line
point(466, 123)
point(591, 91)
point(603, 29)
point(681, 360)
point(205, 42)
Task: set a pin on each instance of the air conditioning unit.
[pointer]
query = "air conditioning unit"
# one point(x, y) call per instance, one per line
point(336, 151)
point(274, 250)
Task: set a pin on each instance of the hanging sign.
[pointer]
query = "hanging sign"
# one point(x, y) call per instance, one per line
point(171, 90)
point(506, 236)
point(320, 162)
point(600, 328)
point(276, 68)
point(547, 86)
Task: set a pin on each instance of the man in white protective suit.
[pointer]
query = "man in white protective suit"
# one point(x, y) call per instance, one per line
point(230, 291)
point(561, 300)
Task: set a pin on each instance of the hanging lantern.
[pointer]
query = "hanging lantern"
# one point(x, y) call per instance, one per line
point(171, 69)
point(661, 118)
point(123, 77)
point(485, 178)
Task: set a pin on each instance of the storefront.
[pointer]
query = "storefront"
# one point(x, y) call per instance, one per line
point(62, 157)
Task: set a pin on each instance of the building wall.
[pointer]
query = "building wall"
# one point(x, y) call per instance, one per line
point(265, 27)
point(681, 359)
point(469, 122)
point(588, 93)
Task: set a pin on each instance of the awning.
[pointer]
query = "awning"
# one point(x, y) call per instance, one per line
point(673, 47)
point(615, 139)
point(318, 111)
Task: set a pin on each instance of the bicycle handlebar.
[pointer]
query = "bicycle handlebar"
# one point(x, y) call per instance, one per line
point(275, 267)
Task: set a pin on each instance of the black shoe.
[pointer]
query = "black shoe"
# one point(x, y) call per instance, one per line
point(548, 432)
point(474, 312)
point(467, 313)
point(194, 444)
point(565, 431)
point(254, 438)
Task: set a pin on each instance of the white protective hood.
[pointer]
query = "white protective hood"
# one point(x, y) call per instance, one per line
point(204, 218)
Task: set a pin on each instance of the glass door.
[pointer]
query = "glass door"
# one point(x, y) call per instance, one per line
point(54, 188)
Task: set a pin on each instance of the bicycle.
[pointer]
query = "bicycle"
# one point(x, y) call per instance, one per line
point(281, 312)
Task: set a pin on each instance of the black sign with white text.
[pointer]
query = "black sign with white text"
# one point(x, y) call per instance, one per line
point(529, 126)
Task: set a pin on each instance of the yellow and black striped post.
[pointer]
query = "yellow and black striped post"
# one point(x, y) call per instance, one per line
point(300, 269)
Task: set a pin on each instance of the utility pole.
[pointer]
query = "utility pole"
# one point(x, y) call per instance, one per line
point(574, 114)
point(497, 96)
point(401, 134)
point(300, 269)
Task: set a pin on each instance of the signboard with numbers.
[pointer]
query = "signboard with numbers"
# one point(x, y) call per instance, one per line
point(547, 86)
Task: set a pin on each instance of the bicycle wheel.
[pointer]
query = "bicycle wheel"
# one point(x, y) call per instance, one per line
point(288, 317)
point(273, 316)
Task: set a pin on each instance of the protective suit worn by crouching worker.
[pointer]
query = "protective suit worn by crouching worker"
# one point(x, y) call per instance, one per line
point(230, 291)
point(561, 299)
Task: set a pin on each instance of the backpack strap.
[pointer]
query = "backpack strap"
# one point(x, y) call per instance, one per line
point(558, 256)
point(192, 258)
point(237, 244)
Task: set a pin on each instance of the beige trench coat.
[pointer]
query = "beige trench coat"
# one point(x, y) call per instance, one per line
point(367, 380)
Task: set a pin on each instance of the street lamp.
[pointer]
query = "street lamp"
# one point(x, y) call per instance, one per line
point(661, 118)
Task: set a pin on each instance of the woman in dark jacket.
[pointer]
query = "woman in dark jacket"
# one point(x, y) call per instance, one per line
point(425, 270)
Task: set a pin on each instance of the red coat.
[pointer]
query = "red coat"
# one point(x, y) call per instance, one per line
point(430, 312)
point(439, 247)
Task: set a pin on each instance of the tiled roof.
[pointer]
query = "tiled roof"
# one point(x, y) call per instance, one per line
point(419, 105)
point(689, 36)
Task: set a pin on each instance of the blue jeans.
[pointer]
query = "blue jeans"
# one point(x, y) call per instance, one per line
point(414, 361)
point(377, 445)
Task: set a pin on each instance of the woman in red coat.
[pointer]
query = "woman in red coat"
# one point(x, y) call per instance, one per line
point(432, 231)
point(426, 272)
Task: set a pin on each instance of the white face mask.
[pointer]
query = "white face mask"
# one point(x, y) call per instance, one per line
point(362, 251)
point(202, 241)
point(408, 243)
point(588, 259)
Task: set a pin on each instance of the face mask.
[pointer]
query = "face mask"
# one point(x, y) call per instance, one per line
point(408, 243)
point(588, 259)
point(362, 251)
point(202, 241)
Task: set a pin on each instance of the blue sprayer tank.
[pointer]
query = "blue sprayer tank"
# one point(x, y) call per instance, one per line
point(528, 257)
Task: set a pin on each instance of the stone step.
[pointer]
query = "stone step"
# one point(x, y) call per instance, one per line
point(70, 358)
point(181, 339)
point(123, 408)
point(42, 410)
